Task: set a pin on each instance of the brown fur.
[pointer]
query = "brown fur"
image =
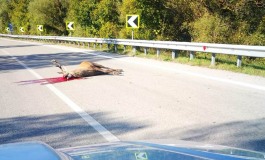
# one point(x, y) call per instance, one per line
point(86, 69)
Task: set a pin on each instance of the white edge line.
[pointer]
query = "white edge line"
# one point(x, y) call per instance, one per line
point(90, 120)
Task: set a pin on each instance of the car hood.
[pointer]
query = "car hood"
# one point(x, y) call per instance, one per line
point(125, 150)
point(158, 150)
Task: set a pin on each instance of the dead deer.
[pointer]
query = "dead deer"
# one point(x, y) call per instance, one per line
point(86, 69)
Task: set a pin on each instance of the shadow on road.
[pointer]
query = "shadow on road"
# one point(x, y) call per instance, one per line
point(61, 130)
point(36, 61)
point(66, 130)
point(18, 46)
point(242, 134)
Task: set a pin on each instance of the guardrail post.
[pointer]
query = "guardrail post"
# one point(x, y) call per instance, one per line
point(88, 45)
point(157, 53)
point(100, 46)
point(115, 48)
point(108, 46)
point(191, 55)
point(174, 54)
point(145, 51)
point(134, 49)
point(94, 45)
point(124, 48)
point(83, 45)
point(213, 59)
point(239, 61)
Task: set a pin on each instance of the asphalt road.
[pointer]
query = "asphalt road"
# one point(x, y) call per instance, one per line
point(151, 100)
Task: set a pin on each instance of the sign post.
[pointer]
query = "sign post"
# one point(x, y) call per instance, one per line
point(132, 21)
point(132, 34)
point(10, 26)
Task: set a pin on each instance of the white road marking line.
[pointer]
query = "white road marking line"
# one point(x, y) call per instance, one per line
point(90, 120)
point(253, 86)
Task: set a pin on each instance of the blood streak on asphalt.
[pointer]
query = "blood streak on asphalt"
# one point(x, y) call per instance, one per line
point(47, 80)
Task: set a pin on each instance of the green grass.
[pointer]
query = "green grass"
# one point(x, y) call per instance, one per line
point(251, 66)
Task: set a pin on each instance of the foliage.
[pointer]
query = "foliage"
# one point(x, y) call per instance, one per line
point(105, 13)
point(109, 30)
point(4, 16)
point(215, 21)
point(49, 13)
point(210, 28)
point(80, 12)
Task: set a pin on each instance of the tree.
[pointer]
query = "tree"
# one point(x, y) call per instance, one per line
point(106, 11)
point(217, 21)
point(4, 16)
point(243, 17)
point(128, 7)
point(80, 12)
point(49, 13)
point(13, 12)
point(211, 29)
point(160, 19)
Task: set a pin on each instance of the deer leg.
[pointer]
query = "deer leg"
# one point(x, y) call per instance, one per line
point(62, 68)
point(100, 66)
point(107, 70)
point(117, 71)
point(110, 71)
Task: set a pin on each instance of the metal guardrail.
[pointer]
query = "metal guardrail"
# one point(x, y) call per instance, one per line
point(239, 50)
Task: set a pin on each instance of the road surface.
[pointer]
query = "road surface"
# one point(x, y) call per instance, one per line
point(151, 100)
